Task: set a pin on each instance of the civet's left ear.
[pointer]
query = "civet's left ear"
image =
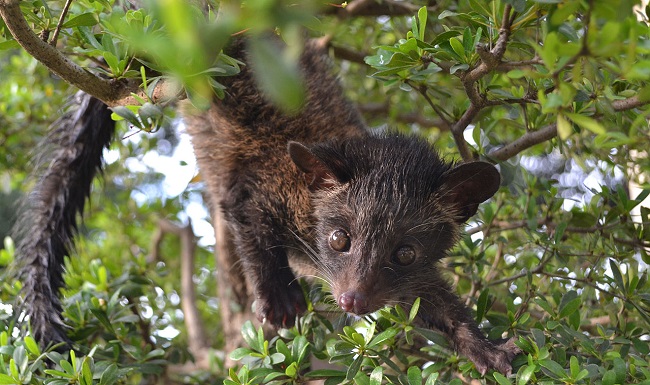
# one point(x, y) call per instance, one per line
point(469, 184)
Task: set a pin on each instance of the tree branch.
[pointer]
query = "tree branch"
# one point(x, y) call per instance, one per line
point(383, 110)
point(511, 65)
point(113, 92)
point(348, 54)
point(458, 130)
point(526, 141)
point(490, 59)
point(375, 8)
point(55, 36)
point(197, 340)
point(629, 103)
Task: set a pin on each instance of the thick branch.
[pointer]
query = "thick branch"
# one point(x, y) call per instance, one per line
point(549, 132)
point(526, 141)
point(511, 65)
point(383, 110)
point(491, 59)
point(629, 103)
point(113, 92)
point(348, 54)
point(376, 8)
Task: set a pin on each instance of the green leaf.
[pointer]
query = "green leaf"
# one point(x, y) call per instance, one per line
point(467, 40)
point(32, 346)
point(20, 358)
point(240, 353)
point(609, 378)
point(582, 219)
point(299, 349)
point(89, 37)
point(431, 380)
point(564, 129)
point(620, 367)
point(414, 309)
point(83, 20)
point(354, 367)
point(250, 336)
point(277, 75)
point(574, 366)
point(554, 368)
point(109, 376)
point(59, 373)
point(86, 373)
point(524, 375)
point(559, 232)
point(414, 375)
point(126, 113)
point(422, 18)
point(291, 370)
point(616, 272)
point(444, 37)
point(325, 373)
point(377, 375)
point(458, 48)
point(8, 380)
point(501, 379)
point(477, 38)
point(446, 13)
point(587, 123)
point(9, 44)
point(481, 304)
point(150, 114)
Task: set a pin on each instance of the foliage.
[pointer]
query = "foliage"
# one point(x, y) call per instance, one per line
point(555, 92)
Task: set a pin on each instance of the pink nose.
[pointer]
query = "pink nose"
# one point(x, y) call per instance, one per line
point(353, 302)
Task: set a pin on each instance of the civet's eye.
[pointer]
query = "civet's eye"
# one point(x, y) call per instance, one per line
point(340, 241)
point(404, 256)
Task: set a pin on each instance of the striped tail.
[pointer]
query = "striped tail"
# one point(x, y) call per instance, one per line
point(66, 164)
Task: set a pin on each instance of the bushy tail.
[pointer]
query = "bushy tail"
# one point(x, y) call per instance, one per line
point(66, 164)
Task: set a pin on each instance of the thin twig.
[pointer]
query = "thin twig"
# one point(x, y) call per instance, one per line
point(59, 25)
point(546, 257)
point(441, 113)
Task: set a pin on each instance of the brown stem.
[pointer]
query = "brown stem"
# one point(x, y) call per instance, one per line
point(376, 8)
point(526, 141)
point(348, 54)
point(546, 257)
point(145, 326)
point(511, 65)
point(458, 129)
point(441, 114)
point(113, 92)
point(197, 341)
point(383, 109)
point(490, 59)
point(629, 103)
point(55, 36)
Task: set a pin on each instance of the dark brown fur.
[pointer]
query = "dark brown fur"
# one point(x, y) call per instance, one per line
point(66, 164)
point(383, 192)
